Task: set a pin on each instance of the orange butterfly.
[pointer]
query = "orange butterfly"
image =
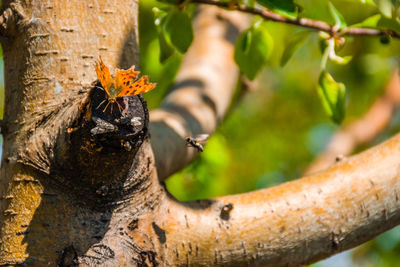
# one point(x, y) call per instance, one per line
point(123, 83)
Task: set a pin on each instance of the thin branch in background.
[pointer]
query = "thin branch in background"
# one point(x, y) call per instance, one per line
point(302, 22)
point(362, 130)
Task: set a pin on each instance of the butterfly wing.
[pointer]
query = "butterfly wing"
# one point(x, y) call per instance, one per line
point(127, 85)
point(104, 75)
point(124, 78)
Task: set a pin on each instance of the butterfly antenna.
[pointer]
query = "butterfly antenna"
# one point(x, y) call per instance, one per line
point(102, 102)
point(106, 106)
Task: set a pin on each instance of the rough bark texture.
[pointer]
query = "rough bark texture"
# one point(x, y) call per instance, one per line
point(81, 187)
point(60, 189)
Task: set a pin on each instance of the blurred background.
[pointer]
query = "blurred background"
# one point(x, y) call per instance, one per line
point(276, 131)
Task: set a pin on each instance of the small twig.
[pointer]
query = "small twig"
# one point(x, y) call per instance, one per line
point(303, 22)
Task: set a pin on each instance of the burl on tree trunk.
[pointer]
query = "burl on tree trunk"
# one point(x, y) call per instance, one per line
point(80, 186)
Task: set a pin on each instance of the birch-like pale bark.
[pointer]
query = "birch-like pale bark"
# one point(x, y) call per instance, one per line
point(202, 92)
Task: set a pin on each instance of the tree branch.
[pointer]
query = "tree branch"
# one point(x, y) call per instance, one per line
point(362, 130)
point(303, 22)
point(293, 224)
point(202, 93)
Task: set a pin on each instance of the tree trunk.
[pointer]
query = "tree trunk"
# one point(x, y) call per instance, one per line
point(80, 186)
point(64, 191)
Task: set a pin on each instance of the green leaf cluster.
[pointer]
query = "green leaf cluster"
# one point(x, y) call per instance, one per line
point(287, 8)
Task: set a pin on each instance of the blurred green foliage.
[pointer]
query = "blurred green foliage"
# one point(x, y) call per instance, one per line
point(275, 132)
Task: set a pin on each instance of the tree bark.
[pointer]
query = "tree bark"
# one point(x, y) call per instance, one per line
point(48, 212)
point(296, 223)
point(80, 186)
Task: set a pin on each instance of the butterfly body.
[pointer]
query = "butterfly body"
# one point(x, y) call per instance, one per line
point(122, 83)
point(112, 94)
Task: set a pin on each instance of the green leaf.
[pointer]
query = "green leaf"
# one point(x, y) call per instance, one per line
point(379, 22)
point(385, 7)
point(252, 49)
point(178, 30)
point(332, 95)
point(284, 7)
point(295, 42)
point(166, 50)
point(388, 23)
point(246, 41)
point(370, 22)
point(175, 32)
point(339, 20)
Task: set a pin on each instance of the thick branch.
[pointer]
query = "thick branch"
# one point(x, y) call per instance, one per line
point(292, 224)
point(364, 129)
point(49, 67)
point(202, 91)
point(303, 22)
